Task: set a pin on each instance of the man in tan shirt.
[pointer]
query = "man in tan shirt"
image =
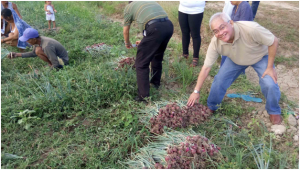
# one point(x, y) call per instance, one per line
point(245, 43)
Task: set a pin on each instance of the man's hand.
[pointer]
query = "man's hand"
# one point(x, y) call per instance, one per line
point(194, 98)
point(137, 42)
point(2, 40)
point(12, 55)
point(272, 73)
point(55, 11)
point(128, 45)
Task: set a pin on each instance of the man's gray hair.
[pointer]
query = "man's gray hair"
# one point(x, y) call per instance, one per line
point(225, 17)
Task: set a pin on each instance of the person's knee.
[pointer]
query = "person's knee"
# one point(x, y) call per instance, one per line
point(39, 51)
point(195, 35)
point(10, 34)
point(157, 66)
point(267, 83)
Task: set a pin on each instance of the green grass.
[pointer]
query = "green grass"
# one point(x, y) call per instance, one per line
point(85, 116)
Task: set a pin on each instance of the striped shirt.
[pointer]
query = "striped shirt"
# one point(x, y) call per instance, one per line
point(142, 12)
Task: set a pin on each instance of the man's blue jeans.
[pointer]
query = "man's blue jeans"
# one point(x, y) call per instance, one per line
point(228, 73)
point(223, 58)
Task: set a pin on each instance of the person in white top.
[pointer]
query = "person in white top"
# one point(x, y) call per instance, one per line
point(190, 15)
point(49, 8)
point(228, 7)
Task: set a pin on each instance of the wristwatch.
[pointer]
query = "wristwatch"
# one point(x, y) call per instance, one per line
point(196, 91)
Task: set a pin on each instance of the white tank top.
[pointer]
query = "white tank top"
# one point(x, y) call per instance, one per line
point(12, 31)
point(191, 7)
point(49, 7)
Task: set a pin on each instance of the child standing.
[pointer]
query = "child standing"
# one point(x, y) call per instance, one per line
point(49, 8)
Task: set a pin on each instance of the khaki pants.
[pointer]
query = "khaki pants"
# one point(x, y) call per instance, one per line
point(61, 62)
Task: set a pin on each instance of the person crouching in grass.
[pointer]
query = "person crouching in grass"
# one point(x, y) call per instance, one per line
point(245, 43)
point(47, 49)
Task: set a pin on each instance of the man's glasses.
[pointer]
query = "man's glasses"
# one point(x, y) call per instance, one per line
point(217, 31)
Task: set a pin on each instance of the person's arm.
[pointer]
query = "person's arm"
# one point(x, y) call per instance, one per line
point(16, 9)
point(53, 8)
point(126, 36)
point(28, 54)
point(45, 8)
point(23, 55)
point(15, 36)
point(194, 97)
point(263, 36)
point(211, 57)
point(272, 52)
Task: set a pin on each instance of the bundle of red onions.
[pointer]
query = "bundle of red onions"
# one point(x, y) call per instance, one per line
point(190, 154)
point(173, 116)
point(129, 61)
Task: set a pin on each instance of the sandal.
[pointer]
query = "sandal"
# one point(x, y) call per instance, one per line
point(186, 56)
point(195, 62)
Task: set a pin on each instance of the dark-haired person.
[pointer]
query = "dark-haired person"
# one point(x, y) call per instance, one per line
point(190, 15)
point(17, 27)
point(45, 48)
point(14, 9)
point(157, 30)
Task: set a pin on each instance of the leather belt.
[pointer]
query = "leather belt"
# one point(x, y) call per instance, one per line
point(157, 20)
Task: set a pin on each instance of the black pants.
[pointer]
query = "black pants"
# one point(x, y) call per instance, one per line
point(190, 26)
point(151, 49)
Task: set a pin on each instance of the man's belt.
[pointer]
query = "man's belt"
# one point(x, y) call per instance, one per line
point(157, 20)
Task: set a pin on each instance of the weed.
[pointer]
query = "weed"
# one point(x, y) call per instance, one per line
point(25, 119)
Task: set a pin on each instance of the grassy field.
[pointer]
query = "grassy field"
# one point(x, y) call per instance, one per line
point(84, 116)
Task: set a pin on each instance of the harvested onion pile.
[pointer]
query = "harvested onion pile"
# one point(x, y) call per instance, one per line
point(100, 49)
point(129, 61)
point(190, 154)
point(173, 116)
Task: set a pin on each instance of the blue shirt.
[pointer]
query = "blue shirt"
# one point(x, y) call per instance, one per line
point(243, 13)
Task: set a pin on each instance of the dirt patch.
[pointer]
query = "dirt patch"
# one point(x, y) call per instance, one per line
point(117, 18)
point(282, 5)
point(86, 122)
point(42, 157)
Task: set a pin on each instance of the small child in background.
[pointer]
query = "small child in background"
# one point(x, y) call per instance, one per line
point(49, 8)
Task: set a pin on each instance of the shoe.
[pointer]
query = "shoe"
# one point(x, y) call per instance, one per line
point(275, 119)
point(186, 56)
point(140, 99)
